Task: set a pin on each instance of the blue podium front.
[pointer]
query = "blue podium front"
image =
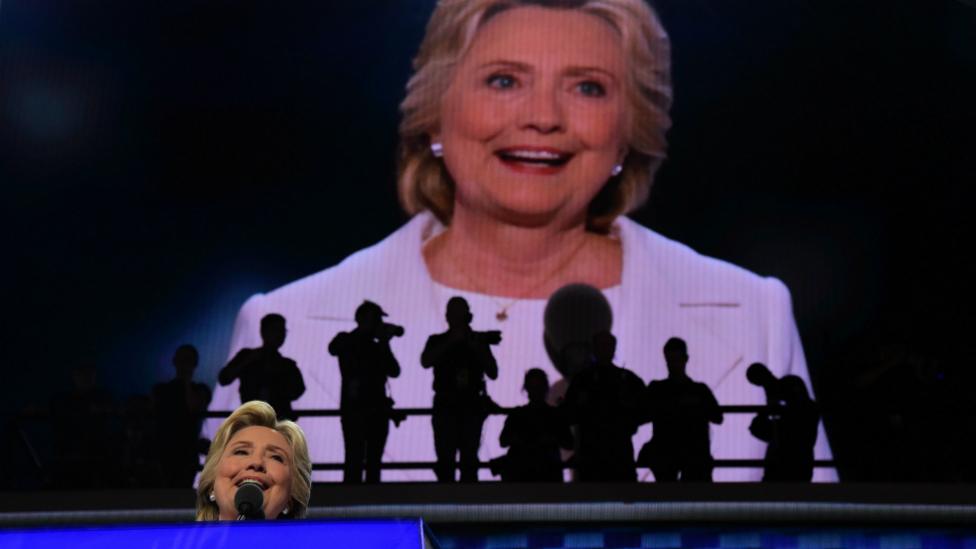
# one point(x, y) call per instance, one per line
point(364, 534)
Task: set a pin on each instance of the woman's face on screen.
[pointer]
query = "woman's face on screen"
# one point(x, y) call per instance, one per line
point(254, 454)
point(533, 121)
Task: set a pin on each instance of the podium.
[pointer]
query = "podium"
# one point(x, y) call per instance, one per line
point(407, 533)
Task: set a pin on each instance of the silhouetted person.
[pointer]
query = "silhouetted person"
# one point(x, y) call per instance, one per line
point(790, 430)
point(681, 410)
point(461, 359)
point(264, 373)
point(759, 375)
point(365, 362)
point(83, 439)
point(534, 433)
point(604, 402)
point(178, 406)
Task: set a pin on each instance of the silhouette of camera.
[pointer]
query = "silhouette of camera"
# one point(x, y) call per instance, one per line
point(491, 337)
point(389, 331)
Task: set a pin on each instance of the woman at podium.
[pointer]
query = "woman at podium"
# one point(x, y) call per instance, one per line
point(253, 451)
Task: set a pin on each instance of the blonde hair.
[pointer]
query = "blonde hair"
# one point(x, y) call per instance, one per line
point(423, 181)
point(261, 414)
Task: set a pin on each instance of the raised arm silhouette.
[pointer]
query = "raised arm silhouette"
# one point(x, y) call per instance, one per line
point(365, 363)
point(264, 373)
point(461, 359)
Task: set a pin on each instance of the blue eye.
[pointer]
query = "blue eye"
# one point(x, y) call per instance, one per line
point(501, 81)
point(591, 89)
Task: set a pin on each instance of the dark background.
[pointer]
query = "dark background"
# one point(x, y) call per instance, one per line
point(162, 160)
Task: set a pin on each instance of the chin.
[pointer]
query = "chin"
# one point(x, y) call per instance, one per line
point(525, 215)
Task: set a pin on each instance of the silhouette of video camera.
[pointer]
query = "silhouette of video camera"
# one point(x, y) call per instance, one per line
point(491, 337)
point(389, 331)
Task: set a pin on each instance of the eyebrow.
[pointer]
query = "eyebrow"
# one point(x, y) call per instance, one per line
point(578, 71)
point(572, 71)
point(506, 63)
point(277, 449)
point(249, 444)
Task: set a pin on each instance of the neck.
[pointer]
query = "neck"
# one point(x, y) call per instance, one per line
point(481, 254)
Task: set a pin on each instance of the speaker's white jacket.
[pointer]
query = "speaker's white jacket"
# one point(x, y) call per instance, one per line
point(729, 317)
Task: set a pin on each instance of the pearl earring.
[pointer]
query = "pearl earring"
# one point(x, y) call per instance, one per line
point(213, 496)
point(285, 511)
point(616, 170)
point(437, 149)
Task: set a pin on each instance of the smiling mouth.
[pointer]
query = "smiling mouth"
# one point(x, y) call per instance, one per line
point(534, 159)
point(255, 482)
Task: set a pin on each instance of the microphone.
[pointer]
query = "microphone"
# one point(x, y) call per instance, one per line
point(249, 502)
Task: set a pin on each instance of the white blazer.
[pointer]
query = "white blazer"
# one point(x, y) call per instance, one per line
point(729, 317)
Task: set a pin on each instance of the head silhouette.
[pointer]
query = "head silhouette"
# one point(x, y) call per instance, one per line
point(676, 356)
point(369, 316)
point(458, 313)
point(758, 374)
point(604, 347)
point(185, 360)
point(273, 331)
point(536, 385)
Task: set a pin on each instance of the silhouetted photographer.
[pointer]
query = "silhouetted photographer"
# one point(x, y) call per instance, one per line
point(264, 373)
point(605, 402)
point(681, 410)
point(178, 407)
point(366, 362)
point(789, 426)
point(534, 434)
point(461, 359)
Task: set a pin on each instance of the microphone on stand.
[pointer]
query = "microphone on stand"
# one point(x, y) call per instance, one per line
point(249, 502)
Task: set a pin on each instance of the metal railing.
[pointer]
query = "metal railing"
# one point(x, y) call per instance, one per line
point(419, 465)
point(415, 465)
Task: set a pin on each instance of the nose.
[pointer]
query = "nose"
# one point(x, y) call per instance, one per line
point(256, 463)
point(543, 110)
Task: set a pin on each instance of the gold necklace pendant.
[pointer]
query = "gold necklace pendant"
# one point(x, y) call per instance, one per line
point(502, 315)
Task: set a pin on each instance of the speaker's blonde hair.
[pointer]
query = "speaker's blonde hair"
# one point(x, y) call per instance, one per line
point(249, 414)
point(423, 181)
